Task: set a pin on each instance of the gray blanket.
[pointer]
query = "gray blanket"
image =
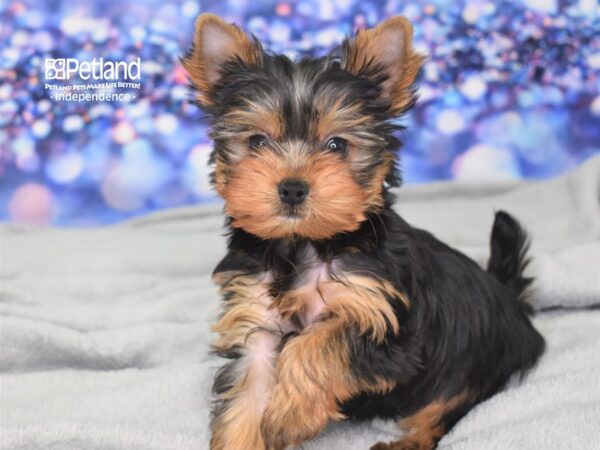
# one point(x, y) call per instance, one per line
point(104, 333)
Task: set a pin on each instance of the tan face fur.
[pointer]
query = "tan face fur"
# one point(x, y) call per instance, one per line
point(298, 109)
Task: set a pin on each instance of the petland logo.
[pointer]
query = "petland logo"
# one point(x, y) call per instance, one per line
point(97, 80)
point(97, 69)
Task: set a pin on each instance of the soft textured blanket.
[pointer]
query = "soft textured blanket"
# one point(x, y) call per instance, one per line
point(104, 333)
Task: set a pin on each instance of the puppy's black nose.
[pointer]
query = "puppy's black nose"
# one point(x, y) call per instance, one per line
point(292, 192)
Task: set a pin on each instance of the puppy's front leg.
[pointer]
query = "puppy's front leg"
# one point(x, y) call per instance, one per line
point(250, 333)
point(312, 377)
point(314, 374)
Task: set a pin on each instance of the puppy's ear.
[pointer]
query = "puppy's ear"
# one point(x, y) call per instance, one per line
point(385, 55)
point(216, 43)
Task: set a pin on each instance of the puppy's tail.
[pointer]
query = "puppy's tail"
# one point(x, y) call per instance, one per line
point(509, 245)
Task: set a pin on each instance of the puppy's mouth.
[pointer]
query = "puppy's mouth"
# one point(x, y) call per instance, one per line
point(291, 212)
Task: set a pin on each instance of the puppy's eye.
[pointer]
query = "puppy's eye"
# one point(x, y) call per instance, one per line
point(257, 141)
point(337, 144)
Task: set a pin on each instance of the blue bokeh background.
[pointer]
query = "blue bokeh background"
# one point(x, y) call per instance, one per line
point(509, 90)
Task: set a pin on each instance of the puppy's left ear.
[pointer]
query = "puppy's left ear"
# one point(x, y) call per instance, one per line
point(216, 43)
point(385, 55)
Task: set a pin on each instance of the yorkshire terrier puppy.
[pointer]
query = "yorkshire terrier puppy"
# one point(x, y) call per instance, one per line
point(334, 306)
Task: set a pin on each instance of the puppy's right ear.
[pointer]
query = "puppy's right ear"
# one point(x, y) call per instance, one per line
point(216, 43)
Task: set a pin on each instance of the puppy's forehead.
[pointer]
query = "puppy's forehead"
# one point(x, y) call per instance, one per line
point(304, 100)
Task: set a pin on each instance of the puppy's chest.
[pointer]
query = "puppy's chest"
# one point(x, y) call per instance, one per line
point(288, 301)
point(308, 297)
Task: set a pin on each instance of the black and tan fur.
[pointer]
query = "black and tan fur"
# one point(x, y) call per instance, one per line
point(335, 307)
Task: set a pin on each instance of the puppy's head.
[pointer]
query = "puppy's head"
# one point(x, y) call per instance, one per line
point(303, 149)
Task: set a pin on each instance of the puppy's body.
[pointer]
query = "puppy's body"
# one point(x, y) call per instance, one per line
point(334, 306)
point(462, 334)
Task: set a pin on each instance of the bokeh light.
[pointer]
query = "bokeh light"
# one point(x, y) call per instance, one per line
point(510, 89)
point(32, 203)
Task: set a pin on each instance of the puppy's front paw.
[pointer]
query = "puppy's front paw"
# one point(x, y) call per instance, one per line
point(398, 445)
point(281, 430)
point(274, 431)
point(287, 422)
point(380, 446)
